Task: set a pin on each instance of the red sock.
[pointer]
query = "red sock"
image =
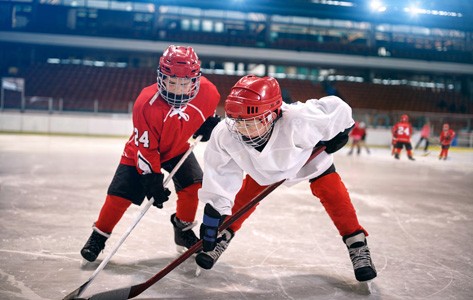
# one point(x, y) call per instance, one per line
point(111, 212)
point(334, 197)
point(187, 202)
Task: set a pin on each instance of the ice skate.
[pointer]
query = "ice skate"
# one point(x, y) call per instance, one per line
point(207, 260)
point(360, 256)
point(411, 157)
point(184, 236)
point(94, 245)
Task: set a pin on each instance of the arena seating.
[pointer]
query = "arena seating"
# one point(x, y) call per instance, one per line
point(115, 88)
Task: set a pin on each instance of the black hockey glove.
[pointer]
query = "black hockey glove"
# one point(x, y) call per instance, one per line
point(337, 142)
point(153, 188)
point(206, 128)
point(209, 227)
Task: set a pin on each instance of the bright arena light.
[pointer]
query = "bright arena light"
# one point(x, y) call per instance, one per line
point(412, 10)
point(377, 6)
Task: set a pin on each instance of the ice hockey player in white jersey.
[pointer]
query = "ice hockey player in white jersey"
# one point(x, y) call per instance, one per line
point(269, 141)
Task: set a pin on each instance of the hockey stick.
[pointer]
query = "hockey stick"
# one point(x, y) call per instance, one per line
point(135, 290)
point(76, 293)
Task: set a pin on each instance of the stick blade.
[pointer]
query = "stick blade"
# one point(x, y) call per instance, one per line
point(76, 293)
point(118, 294)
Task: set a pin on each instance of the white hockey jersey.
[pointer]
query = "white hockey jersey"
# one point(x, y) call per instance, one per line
point(294, 136)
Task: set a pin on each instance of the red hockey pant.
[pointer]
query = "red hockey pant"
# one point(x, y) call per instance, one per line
point(329, 189)
point(444, 151)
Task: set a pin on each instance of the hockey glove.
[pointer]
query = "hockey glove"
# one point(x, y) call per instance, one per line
point(206, 128)
point(209, 227)
point(153, 188)
point(337, 142)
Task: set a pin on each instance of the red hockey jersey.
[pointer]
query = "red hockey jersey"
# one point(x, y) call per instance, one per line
point(161, 132)
point(402, 132)
point(446, 137)
point(357, 132)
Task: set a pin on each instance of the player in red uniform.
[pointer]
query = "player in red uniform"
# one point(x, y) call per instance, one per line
point(358, 136)
point(165, 116)
point(402, 132)
point(446, 138)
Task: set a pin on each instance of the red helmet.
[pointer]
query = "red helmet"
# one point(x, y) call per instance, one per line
point(253, 96)
point(404, 118)
point(182, 64)
point(252, 108)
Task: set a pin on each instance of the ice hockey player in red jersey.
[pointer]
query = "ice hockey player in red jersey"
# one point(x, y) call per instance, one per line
point(402, 132)
point(262, 138)
point(165, 116)
point(358, 137)
point(446, 138)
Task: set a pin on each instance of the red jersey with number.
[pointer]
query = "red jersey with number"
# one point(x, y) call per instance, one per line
point(402, 132)
point(161, 132)
point(357, 132)
point(446, 137)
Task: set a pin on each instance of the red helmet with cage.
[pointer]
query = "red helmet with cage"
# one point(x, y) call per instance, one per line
point(252, 108)
point(182, 66)
point(404, 118)
point(253, 96)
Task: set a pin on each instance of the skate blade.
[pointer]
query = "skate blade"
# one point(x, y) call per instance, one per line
point(366, 287)
point(198, 271)
point(180, 249)
point(84, 263)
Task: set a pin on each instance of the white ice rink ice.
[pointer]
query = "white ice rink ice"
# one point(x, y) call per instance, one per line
point(419, 215)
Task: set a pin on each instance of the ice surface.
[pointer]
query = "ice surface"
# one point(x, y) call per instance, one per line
point(419, 216)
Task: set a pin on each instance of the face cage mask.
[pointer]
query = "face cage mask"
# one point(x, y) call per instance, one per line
point(176, 100)
point(239, 129)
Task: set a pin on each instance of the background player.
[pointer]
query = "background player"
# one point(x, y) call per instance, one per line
point(165, 116)
point(402, 132)
point(424, 136)
point(446, 138)
point(358, 138)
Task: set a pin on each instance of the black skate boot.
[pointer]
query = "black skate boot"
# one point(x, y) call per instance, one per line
point(94, 245)
point(411, 157)
point(207, 260)
point(396, 155)
point(184, 236)
point(360, 256)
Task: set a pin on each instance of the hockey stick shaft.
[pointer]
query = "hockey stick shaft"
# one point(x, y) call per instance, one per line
point(83, 287)
point(133, 291)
